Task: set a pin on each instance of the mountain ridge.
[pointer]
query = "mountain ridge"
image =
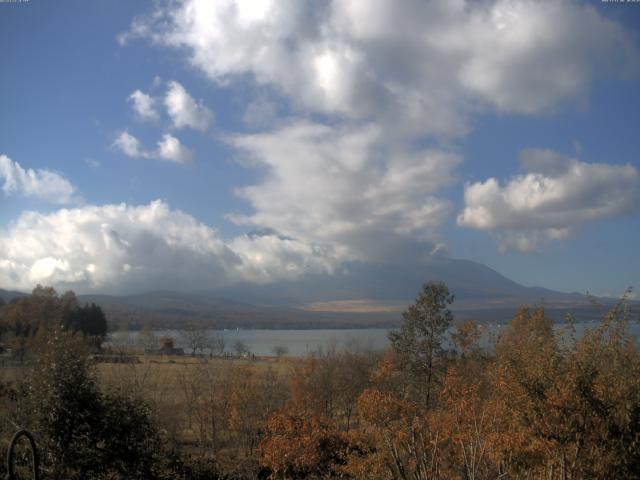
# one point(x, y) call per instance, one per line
point(358, 295)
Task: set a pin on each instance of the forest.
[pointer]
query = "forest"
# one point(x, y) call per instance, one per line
point(535, 404)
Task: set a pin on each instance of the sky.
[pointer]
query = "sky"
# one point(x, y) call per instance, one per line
point(197, 144)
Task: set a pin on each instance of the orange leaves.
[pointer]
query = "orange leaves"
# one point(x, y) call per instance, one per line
point(466, 337)
point(387, 367)
point(298, 443)
point(306, 386)
point(382, 408)
point(567, 400)
point(402, 442)
point(540, 407)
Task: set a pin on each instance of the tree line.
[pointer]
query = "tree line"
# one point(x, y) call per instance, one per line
point(24, 321)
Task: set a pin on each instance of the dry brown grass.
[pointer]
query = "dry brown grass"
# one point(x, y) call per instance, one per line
point(193, 396)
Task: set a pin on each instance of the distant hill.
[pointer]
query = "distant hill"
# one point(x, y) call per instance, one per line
point(8, 295)
point(480, 292)
point(359, 295)
point(469, 281)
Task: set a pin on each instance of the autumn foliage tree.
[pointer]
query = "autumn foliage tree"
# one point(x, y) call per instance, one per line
point(466, 338)
point(574, 405)
point(26, 320)
point(542, 405)
point(402, 440)
point(301, 444)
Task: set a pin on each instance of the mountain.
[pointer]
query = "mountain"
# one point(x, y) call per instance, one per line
point(8, 295)
point(384, 291)
point(172, 310)
point(469, 281)
point(357, 295)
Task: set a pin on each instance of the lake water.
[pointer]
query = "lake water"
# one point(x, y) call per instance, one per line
point(303, 342)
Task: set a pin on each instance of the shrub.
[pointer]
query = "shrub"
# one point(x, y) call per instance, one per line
point(81, 432)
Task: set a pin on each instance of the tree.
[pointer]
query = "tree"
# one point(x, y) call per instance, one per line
point(84, 433)
point(131, 446)
point(466, 338)
point(240, 347)
point(280, 350)
point(574, 405)
point(300, 444)
point(147, 339)
point(216, 344)
point(28, 319)
point(167, 344)
point(195, 336)
point(89, 320)
point(419, 341)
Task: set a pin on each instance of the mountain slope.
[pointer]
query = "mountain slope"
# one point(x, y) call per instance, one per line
point(468, 280)
point(358, 295)
point(8, 295)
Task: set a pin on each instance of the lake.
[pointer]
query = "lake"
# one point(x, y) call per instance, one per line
point(303, 342)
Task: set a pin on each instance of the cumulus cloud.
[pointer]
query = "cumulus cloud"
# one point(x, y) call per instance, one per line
point(383, 76)
point(144, 106)
point(130, 146)
point(422, 67)
point(184, 110)
point(271, 256)
point(261, 112)
point(118, 247)
point(553, 196)
point(346, 187)
point(386, 78)
point(169, 148)
point(43, 184)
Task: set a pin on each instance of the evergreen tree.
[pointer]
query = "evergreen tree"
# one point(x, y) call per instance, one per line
point(419, 341)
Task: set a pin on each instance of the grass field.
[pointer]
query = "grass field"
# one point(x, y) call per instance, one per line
point(206, 406)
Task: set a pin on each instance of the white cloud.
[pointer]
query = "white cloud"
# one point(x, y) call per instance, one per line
point(41, 183)
point(169, 148)
point(184, 110)
point(90, 247)
point(526, 57)
point(547, 202)
point(269, 257)
point(130, 146)
point(419, 67)
point(261, 113)
point(345, 187)
point(386, 78)
point(144, 106)
point(120, 247)
point(387, 75)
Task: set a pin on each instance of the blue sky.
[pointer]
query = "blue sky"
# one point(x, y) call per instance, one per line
point(285, 139)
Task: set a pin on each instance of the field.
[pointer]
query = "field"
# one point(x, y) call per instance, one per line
point(204, 407)
point(208, 407)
